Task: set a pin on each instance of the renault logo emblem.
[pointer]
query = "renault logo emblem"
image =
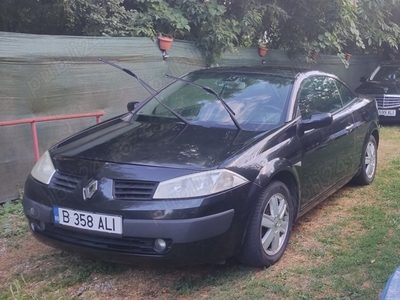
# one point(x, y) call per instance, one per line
point(90, 189)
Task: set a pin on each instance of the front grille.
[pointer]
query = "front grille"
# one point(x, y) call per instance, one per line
point(388, 101)
point(65, 182)
point(115, 244)
point(134, 190)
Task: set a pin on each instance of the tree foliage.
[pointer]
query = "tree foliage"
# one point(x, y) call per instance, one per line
point(298, 26)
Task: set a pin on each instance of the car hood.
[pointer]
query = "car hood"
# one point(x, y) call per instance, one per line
point(155, 142)
point(377, 87)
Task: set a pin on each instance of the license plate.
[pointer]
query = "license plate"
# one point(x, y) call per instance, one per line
point(87, 220)
point(387, 112)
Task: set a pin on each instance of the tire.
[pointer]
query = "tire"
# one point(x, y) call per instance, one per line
point(369, 162)
point(269, 227)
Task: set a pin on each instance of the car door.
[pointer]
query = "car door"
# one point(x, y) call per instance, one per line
point(364, 113)
point(328, 151)
point(361, 116)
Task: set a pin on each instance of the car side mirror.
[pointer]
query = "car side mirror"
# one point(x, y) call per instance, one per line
point(363, 79)
point(317, 120)
point(132, 105)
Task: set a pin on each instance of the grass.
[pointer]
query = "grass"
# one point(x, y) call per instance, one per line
point(351, 256)
point(12, 220)
point(54, 275)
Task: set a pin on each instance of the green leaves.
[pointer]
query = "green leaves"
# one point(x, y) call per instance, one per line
point(376, 23)
point(298, 26)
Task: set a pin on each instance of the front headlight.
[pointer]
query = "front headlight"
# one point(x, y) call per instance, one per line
point(43, 169)
point(198, 185)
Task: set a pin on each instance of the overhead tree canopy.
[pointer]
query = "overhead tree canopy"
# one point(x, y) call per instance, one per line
point(298, 26)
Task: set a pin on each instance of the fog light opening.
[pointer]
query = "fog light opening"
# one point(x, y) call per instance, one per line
point(33, 212)
point(160, 245)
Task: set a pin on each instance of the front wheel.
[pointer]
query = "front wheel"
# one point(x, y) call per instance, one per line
point(368, 163)
point(269, 227)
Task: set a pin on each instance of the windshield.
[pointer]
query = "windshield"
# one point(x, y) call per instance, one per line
point(387, 73)
point(258, 100)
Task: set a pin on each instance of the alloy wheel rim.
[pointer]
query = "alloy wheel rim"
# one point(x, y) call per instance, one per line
point(274, 224)
point(370, 160)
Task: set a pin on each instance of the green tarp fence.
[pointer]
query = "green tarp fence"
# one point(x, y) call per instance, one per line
point(55, 75)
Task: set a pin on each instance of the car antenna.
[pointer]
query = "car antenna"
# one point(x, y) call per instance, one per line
point(211, 91)
point(152, 91)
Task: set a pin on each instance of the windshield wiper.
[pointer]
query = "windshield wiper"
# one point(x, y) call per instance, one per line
point(211, 91)
point(129, 72)
point(152, 91)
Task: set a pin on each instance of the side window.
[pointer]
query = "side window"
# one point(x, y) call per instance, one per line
point(345, 93)
point(318, 94)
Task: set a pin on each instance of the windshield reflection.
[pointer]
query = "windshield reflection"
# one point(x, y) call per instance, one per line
point(258, 100)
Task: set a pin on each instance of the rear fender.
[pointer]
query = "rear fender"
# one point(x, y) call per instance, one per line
point(374, 131)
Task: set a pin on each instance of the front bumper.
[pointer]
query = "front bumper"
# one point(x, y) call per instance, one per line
point(180, 231)
point(388, 107)
point(209, 235)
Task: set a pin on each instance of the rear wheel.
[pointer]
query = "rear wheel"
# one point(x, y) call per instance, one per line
point(368, 163)
point(269, 227)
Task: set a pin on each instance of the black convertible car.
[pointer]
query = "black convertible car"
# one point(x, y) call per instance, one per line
point(218, 163)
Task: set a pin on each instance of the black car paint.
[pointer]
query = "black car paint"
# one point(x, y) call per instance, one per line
point(116, 150)
point(159, 142)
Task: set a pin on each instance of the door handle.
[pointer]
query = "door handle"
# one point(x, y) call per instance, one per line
point(350, 127)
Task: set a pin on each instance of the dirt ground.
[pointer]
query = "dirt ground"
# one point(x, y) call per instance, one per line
point(150, 283)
